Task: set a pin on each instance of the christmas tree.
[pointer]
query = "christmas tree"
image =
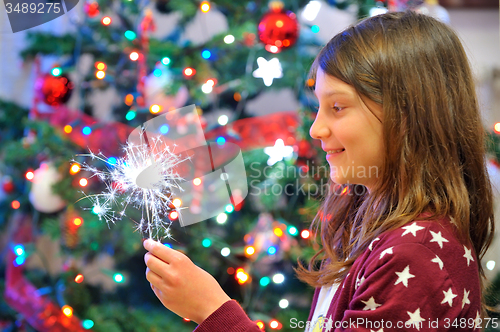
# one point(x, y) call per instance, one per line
point(123, 64)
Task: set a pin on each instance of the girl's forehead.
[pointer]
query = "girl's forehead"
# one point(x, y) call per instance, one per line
point(328, 85)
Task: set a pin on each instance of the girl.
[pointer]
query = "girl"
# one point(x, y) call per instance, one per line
point(402, 247)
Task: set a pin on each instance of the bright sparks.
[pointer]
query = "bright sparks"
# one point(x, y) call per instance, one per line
point(143, 179)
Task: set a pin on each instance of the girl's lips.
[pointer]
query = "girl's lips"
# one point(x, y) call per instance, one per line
point(331, 155)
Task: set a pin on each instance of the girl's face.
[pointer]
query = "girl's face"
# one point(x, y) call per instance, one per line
point(344, 122)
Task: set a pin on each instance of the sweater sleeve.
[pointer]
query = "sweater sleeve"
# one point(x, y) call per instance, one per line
point(406, 288)
point(229, 317)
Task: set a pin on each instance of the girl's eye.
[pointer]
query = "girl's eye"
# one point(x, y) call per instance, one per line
point(338, 109)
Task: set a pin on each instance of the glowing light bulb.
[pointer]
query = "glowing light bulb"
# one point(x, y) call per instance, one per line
point(229, 39)
point(130, 35)
point(19, 250)
point(79, 279)
point(490, 265)
point(118, 277)
point(225, 251)
point(56, 71)
point(155, 108)
point(221, 140)
point(278, 278)
point(77, 221)
point(496, 127)
point(274, 324)
point(206, 88)
point(205, 6)
point(87, 324)
point(129, 99)
point(206, 54)
point(86, 131)
point(30, 175)
point(100, 74)
point(75, 168)
point(130, 115)
point(250, 250)
point(106, 20)
point(222, 218)
point(100, 65)
point(67, 311)
point(188, 72)
point(283, 303)
point(206, 243)
point(264, 281)
point(223, 119)
point(134, 56)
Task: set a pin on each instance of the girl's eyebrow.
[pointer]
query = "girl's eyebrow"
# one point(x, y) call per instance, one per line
point(333, 92)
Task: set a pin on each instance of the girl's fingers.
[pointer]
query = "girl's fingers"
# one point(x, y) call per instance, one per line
point(153, 278)
point(161, 251)
point(155, 264)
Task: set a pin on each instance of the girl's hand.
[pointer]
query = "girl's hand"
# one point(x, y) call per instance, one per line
point(180, 285)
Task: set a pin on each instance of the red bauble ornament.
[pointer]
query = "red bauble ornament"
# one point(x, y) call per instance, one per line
point(8, 186)
point(54, 90)
point(278, 29)
point(91, 8)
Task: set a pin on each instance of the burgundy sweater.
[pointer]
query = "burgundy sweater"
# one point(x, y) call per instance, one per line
point(416, 278)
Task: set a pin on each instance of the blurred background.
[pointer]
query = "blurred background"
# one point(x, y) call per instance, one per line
point(85, 79)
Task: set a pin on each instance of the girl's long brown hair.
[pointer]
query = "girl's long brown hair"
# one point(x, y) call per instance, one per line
point(434, 141)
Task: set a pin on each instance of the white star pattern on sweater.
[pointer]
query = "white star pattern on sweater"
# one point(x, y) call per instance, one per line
point(436, 237)
point(439, 261)
point(370, 304)
point(415, 319)
point(359, 282)
point(403, 276)
point(468, 255)
point(396, 253)
point(465, 300)
point(371, 243)
point(448, 297)
point(386, 251)
point(477, 320)
point(413, 229)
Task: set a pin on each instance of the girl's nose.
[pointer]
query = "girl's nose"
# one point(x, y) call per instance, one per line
point(319, 128)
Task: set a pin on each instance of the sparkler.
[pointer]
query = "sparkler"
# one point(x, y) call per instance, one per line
point(143, 178)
